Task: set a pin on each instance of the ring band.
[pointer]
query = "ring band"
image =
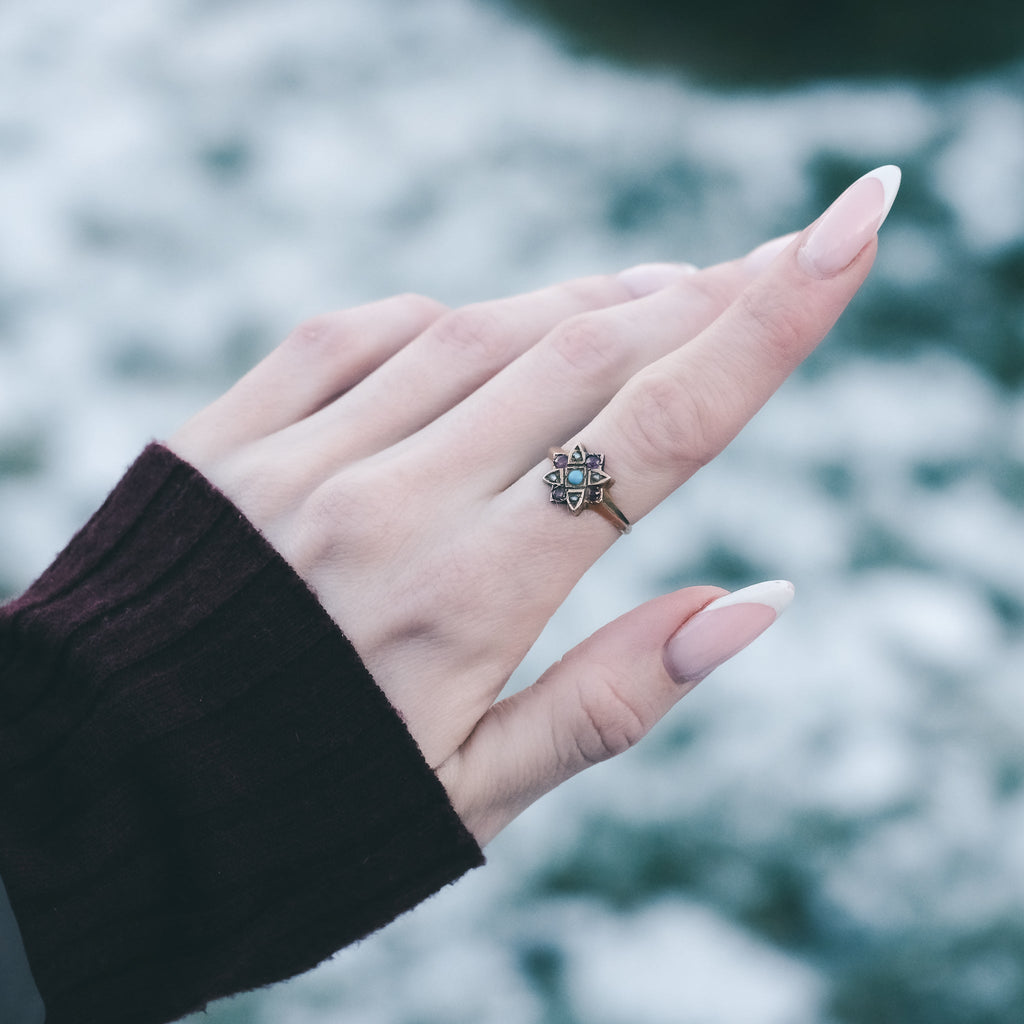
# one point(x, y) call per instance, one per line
point(579, 481)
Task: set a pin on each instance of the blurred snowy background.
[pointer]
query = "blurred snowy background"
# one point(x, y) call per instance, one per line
point(831, 830)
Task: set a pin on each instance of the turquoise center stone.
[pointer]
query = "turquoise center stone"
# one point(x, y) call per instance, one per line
point(575, 477)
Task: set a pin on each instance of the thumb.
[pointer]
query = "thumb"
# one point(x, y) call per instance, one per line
point(601, 698)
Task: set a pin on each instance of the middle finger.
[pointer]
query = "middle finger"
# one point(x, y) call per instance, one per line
point(562, 382)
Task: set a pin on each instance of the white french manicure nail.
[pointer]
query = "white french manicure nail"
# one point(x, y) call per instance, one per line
point(724, 628)
point(843, 230)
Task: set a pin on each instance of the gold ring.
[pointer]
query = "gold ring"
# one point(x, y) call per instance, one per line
point(579, 481)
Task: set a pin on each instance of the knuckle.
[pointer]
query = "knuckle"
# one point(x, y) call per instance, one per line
point(335, 520)
point(709, 294)
point(588, 345)
point(327, 333)
point(776, 324)
point(314, 534)
point(316, 334)
point(594, 292)
point(419, 308)
point(610, 723)
point(475, 330)
point(671, 423)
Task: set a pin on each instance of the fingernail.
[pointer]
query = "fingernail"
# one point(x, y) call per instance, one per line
point(648, 278)
point(757, 259)
point(850, 223)
point(724, 628)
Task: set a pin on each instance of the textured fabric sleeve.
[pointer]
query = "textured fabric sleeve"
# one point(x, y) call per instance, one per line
point(201, 789)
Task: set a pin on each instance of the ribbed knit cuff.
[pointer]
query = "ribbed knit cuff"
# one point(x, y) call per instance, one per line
point(201, 788)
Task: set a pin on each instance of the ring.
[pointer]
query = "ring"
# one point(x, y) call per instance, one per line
point(579, 481)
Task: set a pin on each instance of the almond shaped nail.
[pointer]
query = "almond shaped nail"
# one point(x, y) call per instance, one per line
point(835, 241)
point(724, 628)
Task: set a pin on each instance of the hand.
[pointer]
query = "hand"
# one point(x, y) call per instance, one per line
point(394, 454)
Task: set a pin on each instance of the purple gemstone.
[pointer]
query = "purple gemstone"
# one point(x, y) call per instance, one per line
point(558, 494)
point(560, 461)
point(594, 461)
point(594, 495)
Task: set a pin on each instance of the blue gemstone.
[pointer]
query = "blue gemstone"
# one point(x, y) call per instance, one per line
point(575, 477)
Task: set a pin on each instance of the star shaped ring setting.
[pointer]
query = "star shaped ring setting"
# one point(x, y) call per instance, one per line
point(579, 481)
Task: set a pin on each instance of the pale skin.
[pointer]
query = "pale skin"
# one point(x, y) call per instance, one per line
point(394, 455)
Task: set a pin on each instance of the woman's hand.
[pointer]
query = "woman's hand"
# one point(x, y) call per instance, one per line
point(395, 455)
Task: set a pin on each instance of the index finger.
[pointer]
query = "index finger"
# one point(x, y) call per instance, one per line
point(681, 411)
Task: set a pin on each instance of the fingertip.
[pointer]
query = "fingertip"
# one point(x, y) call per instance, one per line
point(847, 227)
point(647, 278)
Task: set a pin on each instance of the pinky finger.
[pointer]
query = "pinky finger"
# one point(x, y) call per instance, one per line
point(601, 698)
point(322, 358)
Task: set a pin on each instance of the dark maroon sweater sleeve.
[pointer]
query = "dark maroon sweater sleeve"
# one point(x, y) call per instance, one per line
point(201, 788)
